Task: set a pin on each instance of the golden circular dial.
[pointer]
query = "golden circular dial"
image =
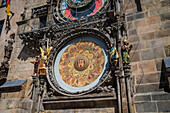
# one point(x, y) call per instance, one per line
point(81, 63)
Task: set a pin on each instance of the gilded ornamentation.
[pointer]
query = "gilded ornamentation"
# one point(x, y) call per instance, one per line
point(81, 63)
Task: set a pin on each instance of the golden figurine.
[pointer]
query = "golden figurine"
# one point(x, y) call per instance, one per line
point(43, 60)
point(113, 54)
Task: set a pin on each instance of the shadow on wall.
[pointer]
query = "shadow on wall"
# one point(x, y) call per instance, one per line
point(165, 75)
point(26, 53)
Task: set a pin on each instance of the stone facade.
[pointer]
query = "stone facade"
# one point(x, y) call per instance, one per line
point(148, 32)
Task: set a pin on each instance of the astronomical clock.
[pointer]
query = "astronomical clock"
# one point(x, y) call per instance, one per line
point(68, 10)
point(78, 68)
point(79, 63)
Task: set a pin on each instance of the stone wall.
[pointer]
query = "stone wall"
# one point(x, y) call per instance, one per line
point(20, 66)
point(149, 33)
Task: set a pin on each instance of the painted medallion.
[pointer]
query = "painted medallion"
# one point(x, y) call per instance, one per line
point(81, 63)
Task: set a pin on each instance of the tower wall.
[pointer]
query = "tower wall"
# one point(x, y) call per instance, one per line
point(149, 33)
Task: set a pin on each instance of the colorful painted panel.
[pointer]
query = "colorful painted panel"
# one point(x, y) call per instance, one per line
point(81, 63)
point(76, 9)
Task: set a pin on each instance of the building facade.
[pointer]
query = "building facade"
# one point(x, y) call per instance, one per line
point(79, 76)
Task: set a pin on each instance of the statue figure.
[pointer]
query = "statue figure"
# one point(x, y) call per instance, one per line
point(43, 60)
point(36, 63)
point(8, 49)
point(125, 52)
point(113, 54)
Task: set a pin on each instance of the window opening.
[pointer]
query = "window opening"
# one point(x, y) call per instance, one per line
point(1, 26)
point(138, 5)
point(43, 20)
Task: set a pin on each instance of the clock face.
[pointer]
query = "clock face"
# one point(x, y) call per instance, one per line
point(81, 64)
point(77, 9)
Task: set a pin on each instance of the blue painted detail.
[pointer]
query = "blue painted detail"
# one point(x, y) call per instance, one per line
point(13, 83)
point(167, 62)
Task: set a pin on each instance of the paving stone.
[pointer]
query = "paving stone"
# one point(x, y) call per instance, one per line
point(153, 20)
point(147, 67)
point(167, 50)
point(140, 23)
point(147, 54)
point(160, 96)
point(155, 43)
point(135, 56)
point(158, 53)
point(146, 88)
point(145, 2)
point(146, 97)
point(147, 36)
point(165, 16)
point(163, 33)
point(148, 78)
point(163, 106)
point(132, 32)
point(135, 17)
point(140, 15)
point(159, 11)
point(138, 46)
point(134, 67)
point(146, 107)
point(147, 29)
point(133, 39)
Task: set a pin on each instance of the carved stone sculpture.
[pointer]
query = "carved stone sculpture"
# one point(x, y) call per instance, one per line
point(43, 60)
point(126, 48)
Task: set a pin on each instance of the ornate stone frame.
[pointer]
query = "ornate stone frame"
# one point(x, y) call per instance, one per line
point(62, 41)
